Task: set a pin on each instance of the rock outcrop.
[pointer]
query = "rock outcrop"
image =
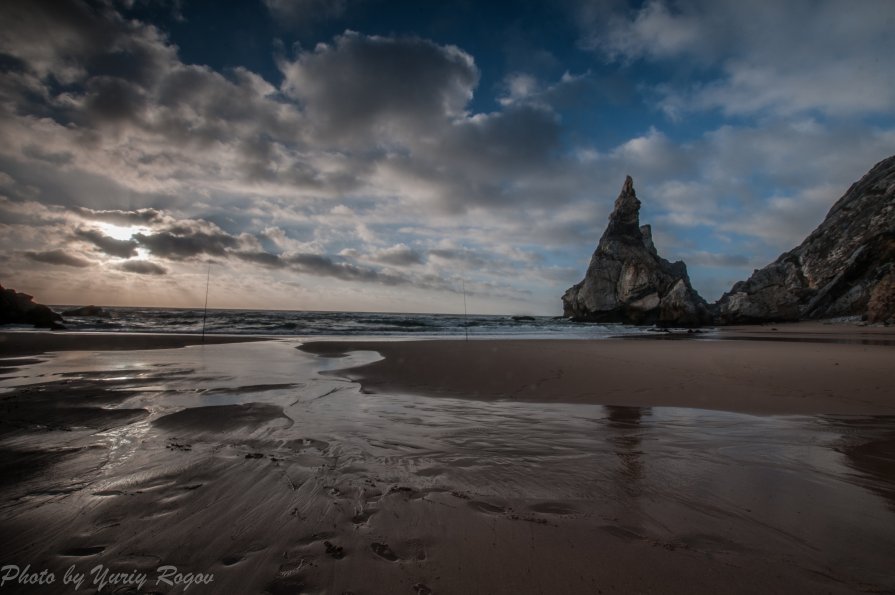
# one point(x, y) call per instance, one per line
point(19, 308)
point(627, 281)
point(846, 267)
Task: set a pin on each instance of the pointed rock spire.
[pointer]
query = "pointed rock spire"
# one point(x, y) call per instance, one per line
point(627, 281)
point(624, 222)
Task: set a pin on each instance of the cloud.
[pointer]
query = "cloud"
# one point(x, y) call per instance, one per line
point(326, 266)
point(264, 259)
point(142, 267)
point(58, 258)
point(108, 245)
point(398, 255)
point(121, 217)
point(654, 31)
point(175, 246)
point(783, 57)
point(362, 87)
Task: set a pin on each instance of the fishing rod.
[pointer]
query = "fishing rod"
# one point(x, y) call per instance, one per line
point(205, 312)
point(465, 316)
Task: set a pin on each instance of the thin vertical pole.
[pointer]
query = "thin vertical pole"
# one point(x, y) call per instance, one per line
point(465, 317)
point(205, 312)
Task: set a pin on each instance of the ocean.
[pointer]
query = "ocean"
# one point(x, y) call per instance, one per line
point(315, 324)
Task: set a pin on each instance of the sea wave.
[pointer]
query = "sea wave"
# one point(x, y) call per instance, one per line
point(295, 323)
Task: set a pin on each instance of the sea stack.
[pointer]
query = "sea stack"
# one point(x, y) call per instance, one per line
point(627, 281)
point(846, 267)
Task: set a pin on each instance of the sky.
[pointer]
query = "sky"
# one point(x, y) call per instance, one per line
point(376, 155)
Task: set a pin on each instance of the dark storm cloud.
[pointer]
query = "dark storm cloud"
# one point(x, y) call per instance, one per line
point(361, 85)
point(180, 247)
point(324, 266)
point(505, 157)
point(508, 142)
point(79, 45)
point(114, 100)
point(30, 31)
point(58, 257)
point(142, 267)
point(107, 244)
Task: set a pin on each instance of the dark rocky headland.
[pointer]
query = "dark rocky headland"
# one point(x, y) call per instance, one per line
point(844, 268)
point(20, 308)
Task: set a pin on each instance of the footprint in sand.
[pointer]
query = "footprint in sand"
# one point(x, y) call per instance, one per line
point(418, 548)
point(362, 517)
point(232, 559)
point(383, 551)
point(334, 551)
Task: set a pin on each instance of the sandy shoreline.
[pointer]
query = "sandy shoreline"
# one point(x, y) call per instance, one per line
point(800, 376)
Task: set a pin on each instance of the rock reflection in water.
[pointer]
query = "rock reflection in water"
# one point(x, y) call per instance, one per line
point(625, 435)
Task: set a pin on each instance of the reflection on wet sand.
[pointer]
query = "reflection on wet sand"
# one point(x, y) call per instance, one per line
point(625, 436)
point(242, 461)
point(868, 443)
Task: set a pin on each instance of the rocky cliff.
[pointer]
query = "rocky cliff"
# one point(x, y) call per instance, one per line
point(846, 267)
point(627, 281)
point(19, 308)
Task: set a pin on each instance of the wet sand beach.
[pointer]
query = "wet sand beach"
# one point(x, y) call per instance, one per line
point(803, 369)
point(689, 466)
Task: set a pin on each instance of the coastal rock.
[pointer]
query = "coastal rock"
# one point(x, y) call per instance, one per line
point(87, 311)
point(843, 268)
point(19, 308)
point(627, 281)
point(881, 307)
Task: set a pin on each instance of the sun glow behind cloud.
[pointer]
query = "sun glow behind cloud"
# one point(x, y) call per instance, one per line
point(121, 232)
